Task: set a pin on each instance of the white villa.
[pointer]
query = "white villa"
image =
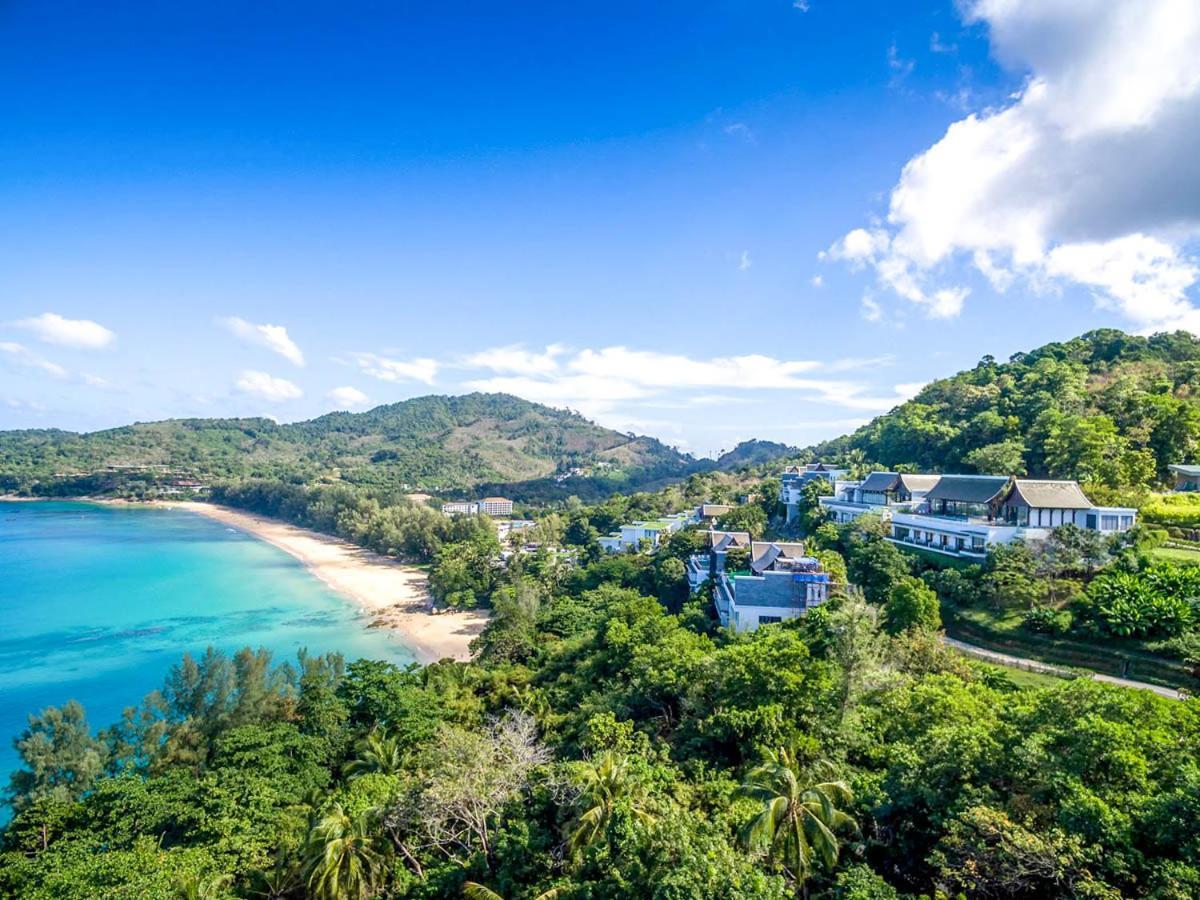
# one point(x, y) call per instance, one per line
point(782, 583)
point(878, 492)
point(964, 515)
point(703, 566)
point(794, 478)
point(631, 536)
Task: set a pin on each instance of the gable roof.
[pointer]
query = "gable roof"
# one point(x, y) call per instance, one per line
point(1048, 494)
point(968, 488)
point(708, 510)
point(723, 540)
point(917, 483)
point(764, 553)
point(880, 482)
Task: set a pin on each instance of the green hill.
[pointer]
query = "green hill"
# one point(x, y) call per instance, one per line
point(444, 444)
point(1107, 408)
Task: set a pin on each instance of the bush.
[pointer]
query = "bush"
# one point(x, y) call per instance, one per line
point(1044, 620)
point(1160, 601)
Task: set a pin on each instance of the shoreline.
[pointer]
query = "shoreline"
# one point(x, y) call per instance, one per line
point(390, 594)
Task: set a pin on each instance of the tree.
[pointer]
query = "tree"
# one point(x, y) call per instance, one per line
point(195, 887)
point(876, 566)
point(799, 820)
point(912, 606)
point(377, 753)
point(346, 859)
point(61, 757)
point(607, 786)
point(748, 517)
point(1003, 458)
point(1009, 576)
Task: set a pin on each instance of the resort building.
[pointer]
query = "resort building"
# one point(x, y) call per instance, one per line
point(1187, 478)
point(702, 567)
point(781, 583)
point(496, 507)
point(794, 478)
point(708, 513)
point(631, 536)
point(965, 515)
point(879, 492)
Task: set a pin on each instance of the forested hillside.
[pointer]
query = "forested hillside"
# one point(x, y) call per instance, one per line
point(1107, 408)
point(445, 444)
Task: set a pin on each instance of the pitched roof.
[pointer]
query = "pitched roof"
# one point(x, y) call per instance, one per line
point(764, 553)
point(1049, 494)
point(1185, 470)
point(968, 488)
point(723, 540)
point(708, 510)
point(917, 483)
point(880, 482)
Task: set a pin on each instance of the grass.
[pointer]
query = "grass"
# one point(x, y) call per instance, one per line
point(1177, 554)
point(1025, 679)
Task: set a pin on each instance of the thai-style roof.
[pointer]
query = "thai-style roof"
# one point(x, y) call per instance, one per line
point(915, 484)
point(968, 488)
point(763, 554)
point(723, 540)
point(1185, 470)
point(709, 510)
point(1048, 494)
point(880, 482)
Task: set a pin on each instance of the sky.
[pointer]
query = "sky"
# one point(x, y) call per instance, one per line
point(704, 221)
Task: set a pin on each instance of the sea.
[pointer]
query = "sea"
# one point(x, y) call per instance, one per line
point(97, 602)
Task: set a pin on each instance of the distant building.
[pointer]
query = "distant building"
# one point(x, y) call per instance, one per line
point(1187, 478)
point(878, 492)
point(705, 566)
point(460, 508)
point(498, 507)
point(653, 531)
point(710, 512)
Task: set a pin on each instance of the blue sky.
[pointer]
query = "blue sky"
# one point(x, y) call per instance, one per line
point(704, 221)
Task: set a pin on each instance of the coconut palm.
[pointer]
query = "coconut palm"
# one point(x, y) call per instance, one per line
point(194, 887)
point(607, 783)
point(799, 819)
point(344, 859)
point(377, 753)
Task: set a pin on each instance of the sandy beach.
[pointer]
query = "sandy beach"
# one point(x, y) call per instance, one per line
point(392, 594)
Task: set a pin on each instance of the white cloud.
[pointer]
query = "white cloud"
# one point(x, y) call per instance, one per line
point(1087, 176)
point(22, 356)
point(348, 397)
point(745, 262)
point(801, 5)
point(267, 387)
point(54, 329)
point(272, 337)
point(871, 310)
point(516, 360)
point(396, 370)
point(816, 281)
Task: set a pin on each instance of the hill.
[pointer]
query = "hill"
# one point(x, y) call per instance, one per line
point(1107, 408)
point(443, 444)
point(753, 453)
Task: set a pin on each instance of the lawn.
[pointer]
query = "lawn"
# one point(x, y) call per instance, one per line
point(1177, 554)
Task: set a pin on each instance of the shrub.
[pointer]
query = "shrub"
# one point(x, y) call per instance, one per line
point(1044, 620)
point(1158, 602)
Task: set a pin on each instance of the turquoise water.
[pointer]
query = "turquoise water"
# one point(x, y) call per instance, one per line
point(97, 602)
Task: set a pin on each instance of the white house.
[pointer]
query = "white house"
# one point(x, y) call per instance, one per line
point(654, 531)
point(794, 478)
point(782, 584)
point(703, 566)
point(879, 492)
point(965, 515)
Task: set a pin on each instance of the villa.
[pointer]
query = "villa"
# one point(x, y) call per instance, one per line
point(702, 567)
point(965, 515)
point(782, 583)
point(794, 478)
point(1187, 478)
point(631, 536)
point(879, 492)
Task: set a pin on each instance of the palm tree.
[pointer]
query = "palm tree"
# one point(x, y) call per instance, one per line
point(193, 887)
point(799, 819)
point(606, 784)
point(377, 753)
point(344, 857)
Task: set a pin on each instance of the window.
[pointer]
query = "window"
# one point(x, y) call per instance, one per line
point(1091, 521)
point(769, 620)
point(1126, 522)
point(1109, 523)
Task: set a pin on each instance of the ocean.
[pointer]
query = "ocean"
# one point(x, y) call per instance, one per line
point(98, 601)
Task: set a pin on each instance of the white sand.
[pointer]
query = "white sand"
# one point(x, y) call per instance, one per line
point(394, 595)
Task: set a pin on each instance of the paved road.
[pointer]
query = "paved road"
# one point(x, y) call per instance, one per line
point(1034, 665)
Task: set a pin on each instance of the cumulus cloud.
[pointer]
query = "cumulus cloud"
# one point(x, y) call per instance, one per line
point(515, 359)
point(348, 397)
point(272, 337)
point(1086, 177)
point(396, 370)
point(268, 387)
point(52, 328)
